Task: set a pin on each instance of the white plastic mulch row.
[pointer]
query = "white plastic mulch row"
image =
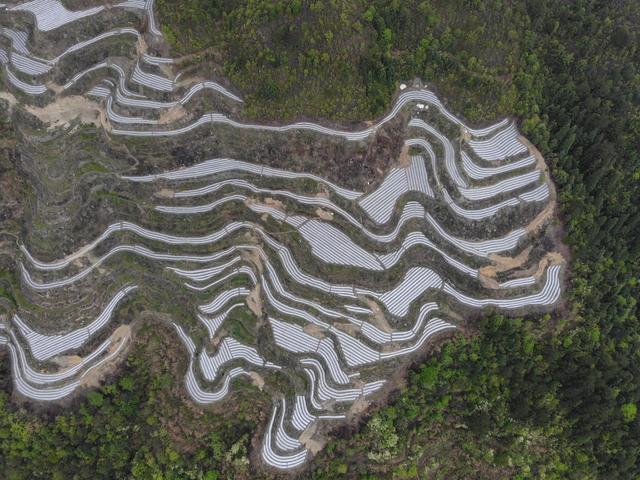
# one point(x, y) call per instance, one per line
point(449, 153)
point(357, 353)
point(222, 165)
point(152, 60)
point(538, 194)
point(30, 391)
point(301, 417)
point(286, 258)
point(283, 440)
point(283, 461)
point(292, 337)
point(191, 382)
point(25, 87)
point(325, 392)
point(117, 118)
point(222, 299)
point(244, 184)
point(52, 14)
point(204, 274)
point(44, 347)
point(479, 213)
point(18, 39)
point(518, 282)
point(243, 270)
point(380, 203)
point(213, 323)
point(228, 350)
point(40, 386)
point(39, 378)
point(500, 146)
point(151, 80)
point(503, 186)
point(331, 245)
point(231, 349)
point(28, 65)
point(23, 61)
point(403, 100)
point(479, 173)
point(549, 294)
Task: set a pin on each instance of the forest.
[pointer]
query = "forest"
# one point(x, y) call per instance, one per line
point(546, 396)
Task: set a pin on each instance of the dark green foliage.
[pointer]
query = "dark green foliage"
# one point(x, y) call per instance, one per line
point(485, 407)
point(550, 397)
point(569, 71)
point(138, 427)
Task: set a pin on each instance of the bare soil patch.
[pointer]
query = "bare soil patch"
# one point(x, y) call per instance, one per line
point(324, 214)
point(254, 301)
point(257, 380)
point(66, 361)
point(66, 109)
point(165, 193)
point(542, 218)
point(404, 159)
point(503, 263)
point(313, 444)
point(314, 330)
point(378, 317)
point(121, 340)
point(9, 98)
point(173, 114)
point(253, 256)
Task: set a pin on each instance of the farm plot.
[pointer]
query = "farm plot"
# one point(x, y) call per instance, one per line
point(339, 284)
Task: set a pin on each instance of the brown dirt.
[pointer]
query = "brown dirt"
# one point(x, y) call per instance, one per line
point(324, 214)
point(488, 282)
point(404, 160)
point(253, 256)
point(542, 218)
point(9, 98)
point(487, 274)
point(173, 114)
point(189, 80)
point(359, 407)
point(254, 301)
point(314, 445)
point(503, 264)
point(324, 193)
point(277, 204)
point(141, 46)
point(54, 87)
point(347, 327)
point(61, 112)
point(121, 336)
point(165, 193)
point(272, 202)
point(314, 330)
point(257, 380)
point(66, 361)
point(378, 315)
point(551, 258)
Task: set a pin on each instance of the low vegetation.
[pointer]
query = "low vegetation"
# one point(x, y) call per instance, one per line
point(534, 398)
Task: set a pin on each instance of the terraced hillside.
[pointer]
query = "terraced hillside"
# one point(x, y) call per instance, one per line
point(311, 261)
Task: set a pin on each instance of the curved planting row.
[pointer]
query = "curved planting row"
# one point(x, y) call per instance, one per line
point(286, 275)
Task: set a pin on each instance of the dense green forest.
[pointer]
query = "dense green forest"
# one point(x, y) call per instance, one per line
point(541, 397)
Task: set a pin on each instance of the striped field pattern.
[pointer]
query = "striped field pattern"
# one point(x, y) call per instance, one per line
point(275, 273)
